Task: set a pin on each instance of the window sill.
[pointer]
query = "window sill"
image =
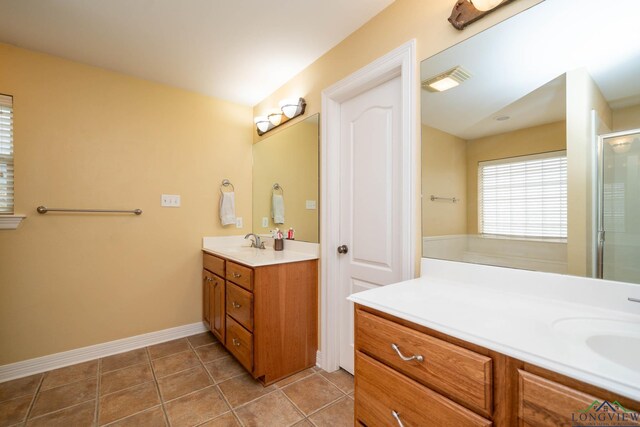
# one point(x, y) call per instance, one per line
point(10, 222)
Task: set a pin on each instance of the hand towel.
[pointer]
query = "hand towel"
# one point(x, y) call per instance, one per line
point(277, 207)
point(228, 208)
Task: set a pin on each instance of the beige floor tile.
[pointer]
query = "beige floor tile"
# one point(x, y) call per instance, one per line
point(196, 408)
point(123, 360)
point(211, 352)
point(14, 411)
point(153, 417)
point(226, 420)
point(77, 416)
point(202, 339)
point(125, 378)
point(341, 379)
point(243, 389)
point(294, 378)
point(182, 383)
point(271, 410)
point(168, 348)
point(70, 374)
point(175, 363)
point(127, 402)
point(26, 386)
point(64, 396)
point(339, 414)
point(303, 423)
point(225, 368)
point(312, 393)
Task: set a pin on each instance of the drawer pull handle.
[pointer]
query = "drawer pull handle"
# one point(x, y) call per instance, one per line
point(236, 342)
point(235, 304)
point(237, 275)
point(416, 357)
point(397, 417)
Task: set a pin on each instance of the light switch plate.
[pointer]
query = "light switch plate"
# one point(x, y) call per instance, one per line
point(311, 204)
point(239, 222)
point(265, 222)
point(170, 200)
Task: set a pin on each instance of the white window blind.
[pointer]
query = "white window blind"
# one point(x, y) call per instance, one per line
point(524, 196)
point(6, 154)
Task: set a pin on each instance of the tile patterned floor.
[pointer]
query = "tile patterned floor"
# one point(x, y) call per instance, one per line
point(192, 381)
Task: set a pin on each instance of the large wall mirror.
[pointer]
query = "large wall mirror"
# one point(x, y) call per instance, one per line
point(285, 175)
point(531, 156)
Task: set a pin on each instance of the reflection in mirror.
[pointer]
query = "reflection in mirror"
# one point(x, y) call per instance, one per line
point(510, 156)
point(287, 161)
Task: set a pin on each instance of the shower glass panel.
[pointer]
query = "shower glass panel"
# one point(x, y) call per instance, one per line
point(619, 216)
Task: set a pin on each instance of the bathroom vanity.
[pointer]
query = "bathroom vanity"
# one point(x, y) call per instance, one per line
point(473, 345)
point(262, 305)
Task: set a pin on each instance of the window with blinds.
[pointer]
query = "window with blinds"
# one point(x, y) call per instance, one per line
point(6, 154)
point(524, 196)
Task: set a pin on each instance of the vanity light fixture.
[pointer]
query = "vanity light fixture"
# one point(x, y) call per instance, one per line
point(621, 144)
point(447, 80)
point(289, 108)
point(466, 12)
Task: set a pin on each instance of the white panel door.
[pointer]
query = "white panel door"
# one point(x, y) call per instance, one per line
point(370, 199)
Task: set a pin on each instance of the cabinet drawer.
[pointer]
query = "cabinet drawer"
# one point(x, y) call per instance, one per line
point(239, 342)
point(240, 305)
point(213, 264)
point(240, 275)
point(461, 374)
point(381, 392)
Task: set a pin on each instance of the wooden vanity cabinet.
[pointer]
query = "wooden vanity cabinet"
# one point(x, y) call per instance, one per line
point(456, 383)
point(269, 315)
point(213, 296)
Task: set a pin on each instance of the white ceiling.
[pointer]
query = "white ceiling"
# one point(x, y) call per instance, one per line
point(238, 50)
point(524, 53)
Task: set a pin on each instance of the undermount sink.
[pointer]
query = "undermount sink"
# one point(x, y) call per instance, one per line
point(616, 340)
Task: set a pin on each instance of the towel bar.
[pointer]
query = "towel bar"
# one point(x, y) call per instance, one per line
point(44, 210)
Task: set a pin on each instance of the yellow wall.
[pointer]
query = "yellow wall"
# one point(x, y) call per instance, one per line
point(90, 138)
point(289, 158)
point(444, 174)
point(522, 142)
point(626, 118)
point(583, 96)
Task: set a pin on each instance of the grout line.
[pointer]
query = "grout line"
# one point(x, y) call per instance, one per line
point(34, 398)
point(155, 381)
point(123, 367)
point(132, 415)
point(96, 413)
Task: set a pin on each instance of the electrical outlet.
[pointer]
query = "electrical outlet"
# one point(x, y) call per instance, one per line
point(170, 200)
point(265, 222)
point(239, 222)
point(311, 204)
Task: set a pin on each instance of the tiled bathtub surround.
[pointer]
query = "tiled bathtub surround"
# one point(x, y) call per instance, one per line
point(187, 382)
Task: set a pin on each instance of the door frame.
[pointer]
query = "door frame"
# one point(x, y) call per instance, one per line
point(399, 62)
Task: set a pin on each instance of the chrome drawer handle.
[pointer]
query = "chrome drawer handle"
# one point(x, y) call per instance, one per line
point(397, 417)
point(237, 275)
point(417, 357)
point(235, 304)
point(236, 342)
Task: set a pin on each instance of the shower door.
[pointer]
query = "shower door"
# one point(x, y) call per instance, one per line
point(619, 206)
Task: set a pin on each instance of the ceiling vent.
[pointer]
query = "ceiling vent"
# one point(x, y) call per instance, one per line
point(447, 80)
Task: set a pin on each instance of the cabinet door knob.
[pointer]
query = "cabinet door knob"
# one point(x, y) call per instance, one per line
point(235, 304)
point(236, 342)
point(397, 417)
point(237, 275)
point(416, 357)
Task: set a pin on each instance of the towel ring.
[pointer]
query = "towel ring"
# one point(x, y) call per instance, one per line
point(226, 183)
point(277, 187)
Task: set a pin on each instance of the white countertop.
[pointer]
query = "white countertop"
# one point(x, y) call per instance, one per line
point(236, 248)
point(542, 328)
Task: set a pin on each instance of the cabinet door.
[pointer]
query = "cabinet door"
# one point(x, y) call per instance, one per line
point(217, 307)
point(206, 315)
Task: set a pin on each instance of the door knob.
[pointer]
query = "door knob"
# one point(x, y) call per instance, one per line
point(343, 249)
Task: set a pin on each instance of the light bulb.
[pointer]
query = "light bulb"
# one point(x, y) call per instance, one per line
point(290, 107)
point(275, 118)
point(484, 5)
point(263, 123)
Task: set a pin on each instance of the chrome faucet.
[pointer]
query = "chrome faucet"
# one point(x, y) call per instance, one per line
point(256, 243)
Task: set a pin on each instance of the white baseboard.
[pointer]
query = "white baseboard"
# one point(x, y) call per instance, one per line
point(71, 357)
point(319, 359)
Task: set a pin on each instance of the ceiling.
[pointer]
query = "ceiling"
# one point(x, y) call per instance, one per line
point(512, 62)
point(239, 50)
